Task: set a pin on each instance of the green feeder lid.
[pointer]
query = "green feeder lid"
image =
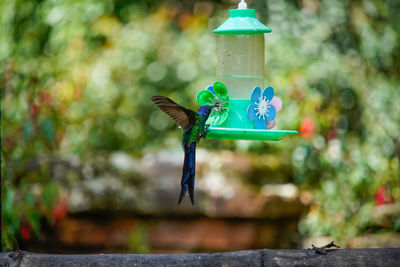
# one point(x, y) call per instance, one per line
point(242, 21)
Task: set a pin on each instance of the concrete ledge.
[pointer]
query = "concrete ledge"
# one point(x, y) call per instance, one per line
point(264, 257)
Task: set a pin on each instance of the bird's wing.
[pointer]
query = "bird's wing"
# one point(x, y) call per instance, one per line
point(186, 118)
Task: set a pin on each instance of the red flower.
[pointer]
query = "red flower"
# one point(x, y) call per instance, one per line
point(25, 230)
point(382, 197)
point(185, 20)
point(34, 109)
point(331, 134)
point(10, 143)
point(45, 98)
point(306, 127)
point(60, 209)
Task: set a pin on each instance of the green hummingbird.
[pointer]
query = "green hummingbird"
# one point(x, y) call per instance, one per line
point(194, 128)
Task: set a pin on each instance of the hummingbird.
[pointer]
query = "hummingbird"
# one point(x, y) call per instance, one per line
point(194, 128)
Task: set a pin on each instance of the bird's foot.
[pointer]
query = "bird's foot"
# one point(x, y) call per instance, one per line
point(322, 250)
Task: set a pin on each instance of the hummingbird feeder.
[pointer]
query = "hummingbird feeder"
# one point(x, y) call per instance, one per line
point(241, 109)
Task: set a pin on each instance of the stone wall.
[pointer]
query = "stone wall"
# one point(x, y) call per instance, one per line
point(118, 203)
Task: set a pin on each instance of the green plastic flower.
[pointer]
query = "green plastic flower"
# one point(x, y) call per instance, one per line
point(217, 97)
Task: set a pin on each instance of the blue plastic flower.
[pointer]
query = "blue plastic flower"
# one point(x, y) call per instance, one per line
point(261, 111)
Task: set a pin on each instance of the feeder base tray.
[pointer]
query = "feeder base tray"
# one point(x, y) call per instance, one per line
point(247, 134)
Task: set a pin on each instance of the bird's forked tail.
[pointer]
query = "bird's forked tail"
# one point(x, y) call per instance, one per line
point(189, 164)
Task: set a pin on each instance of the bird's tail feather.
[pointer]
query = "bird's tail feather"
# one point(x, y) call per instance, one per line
point(183, 193)
point(191, 194)
point(188, 174)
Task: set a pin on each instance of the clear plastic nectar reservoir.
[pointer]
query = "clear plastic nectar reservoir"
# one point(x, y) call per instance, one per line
point(241, 61)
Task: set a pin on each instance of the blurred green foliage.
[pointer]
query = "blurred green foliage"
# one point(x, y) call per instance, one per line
point(76, 78)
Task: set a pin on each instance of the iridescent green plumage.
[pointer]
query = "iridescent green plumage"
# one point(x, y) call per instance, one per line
point(196, 132)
